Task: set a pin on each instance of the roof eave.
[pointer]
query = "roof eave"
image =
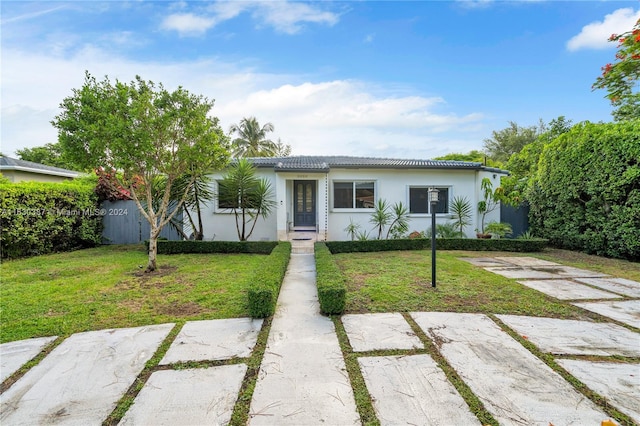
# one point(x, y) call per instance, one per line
point(40, 171)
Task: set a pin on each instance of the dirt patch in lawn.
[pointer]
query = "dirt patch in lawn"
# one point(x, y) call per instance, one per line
point(162, 271)
point(181, 309)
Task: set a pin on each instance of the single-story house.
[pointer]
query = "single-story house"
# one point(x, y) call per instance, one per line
point(324, 194)
point(20, 170)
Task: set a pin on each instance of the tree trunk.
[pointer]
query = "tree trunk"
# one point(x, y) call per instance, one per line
point(153, 249)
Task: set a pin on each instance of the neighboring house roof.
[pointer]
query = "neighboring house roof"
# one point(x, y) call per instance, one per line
point(8, 163)
point(325, 163)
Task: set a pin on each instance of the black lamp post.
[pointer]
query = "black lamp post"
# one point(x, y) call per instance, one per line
point(433, 200)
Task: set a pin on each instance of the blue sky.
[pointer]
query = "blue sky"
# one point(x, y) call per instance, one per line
point(415, 79)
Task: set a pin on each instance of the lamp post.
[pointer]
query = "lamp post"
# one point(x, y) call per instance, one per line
point(433, 200)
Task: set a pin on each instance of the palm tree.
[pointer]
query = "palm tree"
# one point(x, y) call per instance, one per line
point(251, 140)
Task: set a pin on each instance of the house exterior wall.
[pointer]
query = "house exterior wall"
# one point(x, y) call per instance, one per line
point(21, 176)
point(220, 224)
point(391, 185)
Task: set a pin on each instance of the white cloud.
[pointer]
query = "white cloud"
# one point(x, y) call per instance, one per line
point(596, 34)
point(340, 117)
point(285, 17)
point(188, 23)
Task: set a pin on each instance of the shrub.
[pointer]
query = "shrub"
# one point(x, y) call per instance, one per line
point(265, 283)
point(586, 192)
point(38, 218)
point(531, 245)
point(498, 229)
point(176, 247)
point(332, 288)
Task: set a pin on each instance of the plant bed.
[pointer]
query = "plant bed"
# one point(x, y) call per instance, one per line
point(510, 245)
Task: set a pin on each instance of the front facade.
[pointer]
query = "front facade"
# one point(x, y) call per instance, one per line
point(324, 194)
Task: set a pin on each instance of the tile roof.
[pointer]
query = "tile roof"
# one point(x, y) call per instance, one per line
point(324, 163)
point(8, 163)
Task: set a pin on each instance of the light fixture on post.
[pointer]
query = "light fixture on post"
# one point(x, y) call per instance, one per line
point(433, 200)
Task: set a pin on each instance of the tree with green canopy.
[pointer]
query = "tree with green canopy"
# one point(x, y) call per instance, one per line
point(504, 143)
point(50, 154)
point(149, 135)
point(251, 140)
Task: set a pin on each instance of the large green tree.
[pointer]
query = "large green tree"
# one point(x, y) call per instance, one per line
point(504, 143)
point(251, 140)
point(50, 154)
point(523, 165)
point(150, 135)
point(472, 156)
point(621, 78)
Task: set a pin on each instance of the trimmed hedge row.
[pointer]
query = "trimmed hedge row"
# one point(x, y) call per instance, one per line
point(265, 283)
point(472, 244)
point(177, 247)
point(38, 218)
point(332, 288)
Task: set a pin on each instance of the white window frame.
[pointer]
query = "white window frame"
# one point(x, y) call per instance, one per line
point(449, 189)
point(353, 183)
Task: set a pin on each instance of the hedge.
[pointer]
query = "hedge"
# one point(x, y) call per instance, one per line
point(472, 244)
point(38, 218)
point(586, 191)
point(331, 283)
point(176, 247)
point(265, 283)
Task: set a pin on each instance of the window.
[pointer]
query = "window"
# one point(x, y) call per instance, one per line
point(350, 195)
point(225, 197)
point(419, 200)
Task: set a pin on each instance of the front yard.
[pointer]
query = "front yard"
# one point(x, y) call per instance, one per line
point(105, 287)
point(400, 281)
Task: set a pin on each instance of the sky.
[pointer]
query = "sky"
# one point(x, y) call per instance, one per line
point(395, 79)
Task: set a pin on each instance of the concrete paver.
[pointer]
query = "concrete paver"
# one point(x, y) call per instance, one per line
point(370, 332)
point(83, 378)
point(617, 285)
point(568, 290)
point(514, 385)
point(302, 378)
point(214, 340)
point(569, 271)
point(523, 273)
point(525, 261)
point(187, 397)
point(14, 355)
point(413, 390)
point(485, 261)
point(619, 383)
point(571, 337)
point(626, 311)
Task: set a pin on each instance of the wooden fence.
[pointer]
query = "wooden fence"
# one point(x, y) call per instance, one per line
point(124, 224)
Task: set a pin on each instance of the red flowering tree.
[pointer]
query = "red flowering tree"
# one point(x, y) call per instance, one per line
point(621, 79)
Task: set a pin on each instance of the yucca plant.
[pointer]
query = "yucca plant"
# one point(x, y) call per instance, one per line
point(461, 210)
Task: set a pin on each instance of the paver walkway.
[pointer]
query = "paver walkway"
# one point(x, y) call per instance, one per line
point(302, 380)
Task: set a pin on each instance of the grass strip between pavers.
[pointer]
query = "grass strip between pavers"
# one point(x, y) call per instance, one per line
point(240, 415)
point(549, 359)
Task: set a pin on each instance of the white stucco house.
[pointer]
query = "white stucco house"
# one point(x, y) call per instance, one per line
point(323, 194)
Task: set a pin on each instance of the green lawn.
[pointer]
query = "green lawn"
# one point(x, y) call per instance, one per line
point(105, 287)
point(401, 281)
